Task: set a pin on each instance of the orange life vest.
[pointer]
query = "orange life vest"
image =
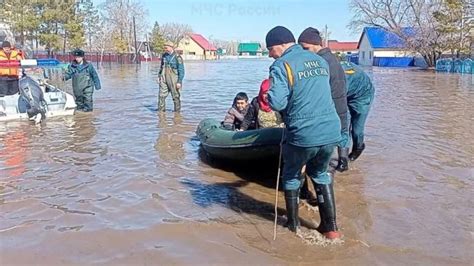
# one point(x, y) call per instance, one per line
point(13, 55)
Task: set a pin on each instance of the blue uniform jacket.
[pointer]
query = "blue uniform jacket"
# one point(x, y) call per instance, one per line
point(83, 74)
point(359, 85)
point(300, 90)
point(174, 61)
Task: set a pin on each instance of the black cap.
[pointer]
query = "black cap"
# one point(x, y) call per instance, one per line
point(6, 44)
point(78, 52)
point(279, 35)
point(311, 36)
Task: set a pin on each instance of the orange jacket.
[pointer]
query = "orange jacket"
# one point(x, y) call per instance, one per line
point(13, 55)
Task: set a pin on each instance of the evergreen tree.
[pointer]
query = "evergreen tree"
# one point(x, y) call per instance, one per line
point(91, 20)
point(22, 17)
point(157, 40)
point(453, 23)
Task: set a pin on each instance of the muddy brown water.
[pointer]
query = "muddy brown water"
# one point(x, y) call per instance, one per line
point(126, 185)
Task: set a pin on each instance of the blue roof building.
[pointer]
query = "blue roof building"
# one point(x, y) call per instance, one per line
point(378, 47)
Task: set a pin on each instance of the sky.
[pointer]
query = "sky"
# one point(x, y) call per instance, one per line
point(245, 20)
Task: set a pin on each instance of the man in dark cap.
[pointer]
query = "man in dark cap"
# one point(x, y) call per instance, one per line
point(84, 79)
point(311, 40)
point(9, 76)
point(300, 90)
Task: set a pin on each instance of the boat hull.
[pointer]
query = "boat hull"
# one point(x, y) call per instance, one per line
point(219, 143)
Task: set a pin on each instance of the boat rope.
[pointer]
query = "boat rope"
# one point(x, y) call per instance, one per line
point(277, 184)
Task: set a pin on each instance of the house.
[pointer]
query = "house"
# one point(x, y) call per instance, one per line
point(378, 47)
point(250, 49)
point(343, 47)
point(196, 47)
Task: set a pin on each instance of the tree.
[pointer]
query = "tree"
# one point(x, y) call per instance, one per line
point(74, 32)
point(119, 16)
point(102, 41)
point(453, 22)
point(157, 40)
point(91, 20)
point(175, 32)
point(396, 15)
point(21, 16)
point(49, 30)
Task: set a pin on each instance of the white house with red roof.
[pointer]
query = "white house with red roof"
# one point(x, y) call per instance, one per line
point(196, 47)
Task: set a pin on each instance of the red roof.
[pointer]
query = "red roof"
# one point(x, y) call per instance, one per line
point(203, 42)
point(342, 46)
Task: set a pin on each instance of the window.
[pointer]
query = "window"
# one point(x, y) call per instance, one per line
point(370, 55)
point(192, 53)
point(363, 54)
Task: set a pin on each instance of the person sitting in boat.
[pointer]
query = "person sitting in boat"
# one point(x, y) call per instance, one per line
point(260, 115)
point(235, 115)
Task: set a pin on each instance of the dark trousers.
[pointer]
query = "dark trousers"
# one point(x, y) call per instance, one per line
point(8, 86)
point(84, 99)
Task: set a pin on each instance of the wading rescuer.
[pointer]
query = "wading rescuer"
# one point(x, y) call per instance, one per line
point(9, 76)
point(307, 106)
point(84, 80)
point(360, 95)
point(312, 41)
point(170, 78)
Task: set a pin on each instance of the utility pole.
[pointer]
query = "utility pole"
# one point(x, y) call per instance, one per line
point(326, 37)
point(137, 54)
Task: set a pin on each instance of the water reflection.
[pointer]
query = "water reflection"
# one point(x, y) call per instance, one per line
point(13, 150)
point(170, 143)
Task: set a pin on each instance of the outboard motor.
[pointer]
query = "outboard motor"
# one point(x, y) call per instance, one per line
point(32, 95)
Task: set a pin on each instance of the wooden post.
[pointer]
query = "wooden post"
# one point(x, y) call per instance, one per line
point(137, 58)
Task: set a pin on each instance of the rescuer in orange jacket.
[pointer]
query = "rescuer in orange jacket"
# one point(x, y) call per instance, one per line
point(9, 74)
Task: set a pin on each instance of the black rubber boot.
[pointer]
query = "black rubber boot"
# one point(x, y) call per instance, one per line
point(356, 152)
point(305, 193)
point(343, 164)
point(291, 200)
point(327, 211)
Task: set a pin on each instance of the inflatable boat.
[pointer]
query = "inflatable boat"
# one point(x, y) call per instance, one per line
point(35, 100)
point(219, 143)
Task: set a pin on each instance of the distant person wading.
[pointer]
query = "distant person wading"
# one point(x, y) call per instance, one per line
point(170, 78)
point(84, 79)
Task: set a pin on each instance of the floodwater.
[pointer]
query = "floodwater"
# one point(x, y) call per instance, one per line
point(126, 185)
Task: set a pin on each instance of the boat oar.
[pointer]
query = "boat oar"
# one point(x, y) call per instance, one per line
point(277, 184)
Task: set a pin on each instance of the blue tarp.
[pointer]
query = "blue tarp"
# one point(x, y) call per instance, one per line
point(468, 66)
point(393, 61)
point(455, 65)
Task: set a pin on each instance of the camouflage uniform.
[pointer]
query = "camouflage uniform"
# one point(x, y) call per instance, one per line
point(171, 72)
